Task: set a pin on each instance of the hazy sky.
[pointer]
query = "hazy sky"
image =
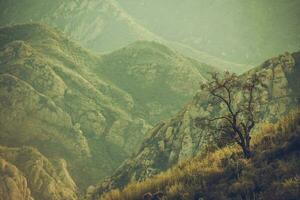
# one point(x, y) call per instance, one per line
point(241, 30)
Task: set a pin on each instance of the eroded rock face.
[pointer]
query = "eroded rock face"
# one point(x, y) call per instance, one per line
point(178, 138)
point(13, 185)
point(27, 175)
point(91, 110)
point(52, 100)
point(25, 109)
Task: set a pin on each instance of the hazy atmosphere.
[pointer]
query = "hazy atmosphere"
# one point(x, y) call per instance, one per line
point(242, 32)
point(149, 100)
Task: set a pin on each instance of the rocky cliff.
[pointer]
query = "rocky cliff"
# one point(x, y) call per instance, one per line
point(86, 108)
point(49, 102)
point(178, 138)
point(27, 175)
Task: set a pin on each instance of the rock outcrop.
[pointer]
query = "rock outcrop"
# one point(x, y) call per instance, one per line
point(87, 109)
point(50, 101)
point(13, 185)
point(178, 138)
point(27, 175)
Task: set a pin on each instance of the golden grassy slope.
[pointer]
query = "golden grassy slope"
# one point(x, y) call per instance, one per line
point(272, 173)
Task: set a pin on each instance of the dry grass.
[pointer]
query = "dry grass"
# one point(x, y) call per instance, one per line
point(225, 174)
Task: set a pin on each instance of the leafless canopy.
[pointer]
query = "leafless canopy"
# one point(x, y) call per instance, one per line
point(239, 98)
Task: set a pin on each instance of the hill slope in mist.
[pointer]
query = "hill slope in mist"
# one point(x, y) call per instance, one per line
point(245, 32)
point(50, 101)
point(71, 104)
point(178, 138)
point(99, 25)
point(158, 78)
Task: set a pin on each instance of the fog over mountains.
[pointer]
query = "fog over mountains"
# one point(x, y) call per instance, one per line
point(245, 32)
point(239, 32)
point(99, 99)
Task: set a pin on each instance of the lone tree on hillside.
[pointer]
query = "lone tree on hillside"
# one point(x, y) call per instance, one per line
point(239, 100)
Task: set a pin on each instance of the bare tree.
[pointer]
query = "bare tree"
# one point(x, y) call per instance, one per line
point(240, 98)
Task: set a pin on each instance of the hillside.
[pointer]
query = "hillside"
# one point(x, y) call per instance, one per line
point(116, 100)
point(93, 23)
point(72, 104)
point(211, 32)
point(159, 79)
point(100, 25)
point(272, 173)
point(50, 101)
point(178, 138)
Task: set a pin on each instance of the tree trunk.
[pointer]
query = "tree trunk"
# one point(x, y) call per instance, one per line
point(246, 151)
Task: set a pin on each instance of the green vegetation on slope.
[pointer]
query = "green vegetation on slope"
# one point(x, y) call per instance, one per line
point(159, 79)
point(179, 138)
point(51, 100)
point(272, 173)
point(70, 103)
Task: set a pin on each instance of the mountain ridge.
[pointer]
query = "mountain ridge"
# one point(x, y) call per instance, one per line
point(56, 98)
point(178, 138)
point(224, 173)
point(94, 26)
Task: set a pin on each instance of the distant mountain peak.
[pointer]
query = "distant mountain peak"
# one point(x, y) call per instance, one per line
point(103, 26)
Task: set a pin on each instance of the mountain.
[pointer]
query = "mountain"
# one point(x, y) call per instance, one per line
point(245, 32)
point(72, 104)
point(174, 140)
point(159, 79)
point(48, 101)
point(272, 173)
point(98, 25)
point(69, 117)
